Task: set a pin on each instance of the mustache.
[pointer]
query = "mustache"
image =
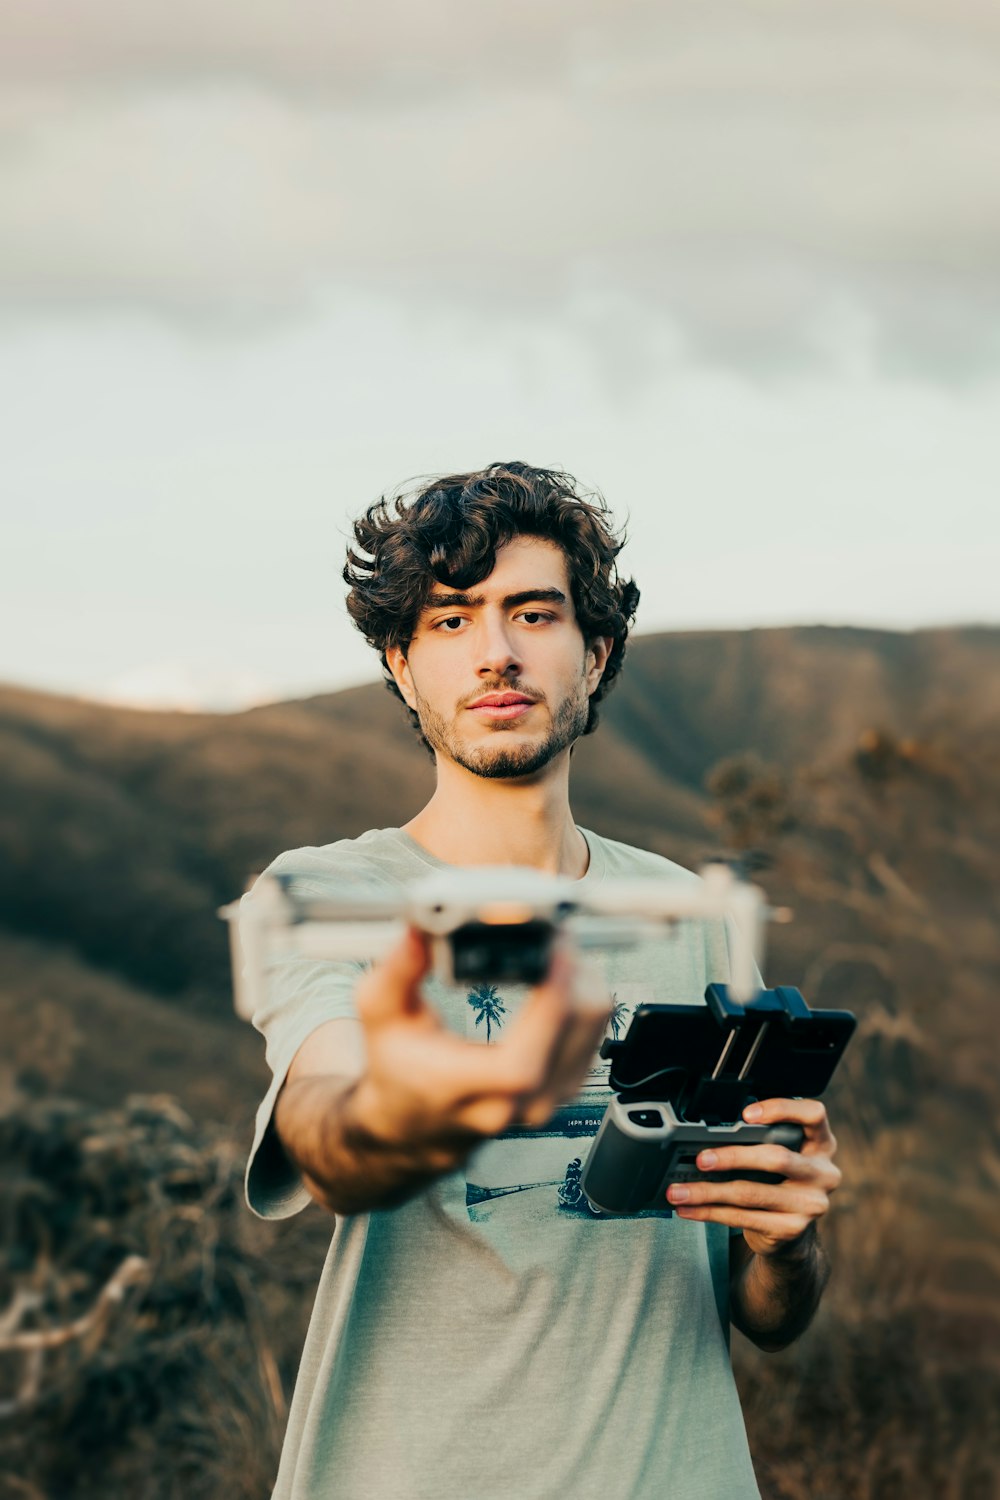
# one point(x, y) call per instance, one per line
point(504, 686)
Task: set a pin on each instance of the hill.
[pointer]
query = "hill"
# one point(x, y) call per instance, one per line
point(122, 830)
point(858, 769)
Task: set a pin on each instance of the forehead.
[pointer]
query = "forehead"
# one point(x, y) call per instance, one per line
point(525, 562)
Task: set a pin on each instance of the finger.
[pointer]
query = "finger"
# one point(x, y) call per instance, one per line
point(590, 1008)
point(589, 993)
point(559, 1029)
point(391, 988)
point(487, 1114)
point(770, 1197)
point(461, 1074)
point(578, 1052)
point(768, 1158)
point(465, 1074)
point(568, 1066)
point(531, 1040)
point(546, 1049)
point(438, 1081)
point(774, 1226)
point(810, 1113)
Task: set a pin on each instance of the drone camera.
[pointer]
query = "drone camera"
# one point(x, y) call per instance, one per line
point(518, 952)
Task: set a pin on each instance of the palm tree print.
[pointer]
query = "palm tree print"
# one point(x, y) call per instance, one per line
point(488, 1006)
point(619, 1010)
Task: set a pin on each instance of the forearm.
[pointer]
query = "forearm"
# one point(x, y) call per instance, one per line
point(346, 1165)
point(773, 1298)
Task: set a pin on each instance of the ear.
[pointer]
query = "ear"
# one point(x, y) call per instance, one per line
point(399, 667)
point(597, 659)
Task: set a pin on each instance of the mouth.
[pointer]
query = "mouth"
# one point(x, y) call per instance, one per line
point(501, 706)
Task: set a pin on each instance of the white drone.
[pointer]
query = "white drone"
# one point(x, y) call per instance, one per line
point(487, 923)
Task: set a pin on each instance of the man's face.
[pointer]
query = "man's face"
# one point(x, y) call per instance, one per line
point(499, 675)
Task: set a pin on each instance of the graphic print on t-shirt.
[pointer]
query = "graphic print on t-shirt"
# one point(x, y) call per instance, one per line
point(541, 1166)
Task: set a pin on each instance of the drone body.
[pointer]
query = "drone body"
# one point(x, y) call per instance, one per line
point(487, 923)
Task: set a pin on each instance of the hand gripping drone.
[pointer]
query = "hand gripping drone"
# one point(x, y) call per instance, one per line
point(683, 1073)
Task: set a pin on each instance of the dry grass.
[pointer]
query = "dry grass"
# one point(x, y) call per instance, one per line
point(178, 1387)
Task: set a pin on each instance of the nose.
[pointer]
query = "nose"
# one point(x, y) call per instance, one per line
point(496, 653)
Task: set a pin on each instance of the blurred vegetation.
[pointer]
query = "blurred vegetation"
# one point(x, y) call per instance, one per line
point(153, 1326)
point(150, 1328)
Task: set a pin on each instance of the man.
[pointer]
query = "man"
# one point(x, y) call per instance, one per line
point(479, 1330)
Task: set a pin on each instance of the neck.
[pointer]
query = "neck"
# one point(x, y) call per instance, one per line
point(472, 820)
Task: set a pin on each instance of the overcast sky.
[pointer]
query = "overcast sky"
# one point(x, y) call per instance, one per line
point(737, 264)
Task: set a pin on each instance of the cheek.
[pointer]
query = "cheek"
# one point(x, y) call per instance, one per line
point(558, 670)
point(430, 682)
point(581, 670)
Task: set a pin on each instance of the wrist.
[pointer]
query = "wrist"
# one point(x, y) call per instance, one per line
point(795, 1252)
point(366, 1121)
point(372, 1127)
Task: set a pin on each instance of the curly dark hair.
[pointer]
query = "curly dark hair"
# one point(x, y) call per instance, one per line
point(449, 532)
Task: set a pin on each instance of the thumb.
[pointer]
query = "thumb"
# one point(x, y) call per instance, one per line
point(391, 988)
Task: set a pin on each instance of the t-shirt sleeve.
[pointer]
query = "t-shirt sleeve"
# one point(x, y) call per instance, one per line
point(299, 994)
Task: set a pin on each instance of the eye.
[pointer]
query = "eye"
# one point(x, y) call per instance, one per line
point(455, 620)
point(535, 616)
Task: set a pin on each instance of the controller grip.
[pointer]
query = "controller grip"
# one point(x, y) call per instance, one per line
point(621, 1175)
point(628, 1171)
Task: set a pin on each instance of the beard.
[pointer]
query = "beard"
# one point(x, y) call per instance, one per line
point(497, 761)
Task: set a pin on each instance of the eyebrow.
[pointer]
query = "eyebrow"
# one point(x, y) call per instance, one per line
point(509, 601)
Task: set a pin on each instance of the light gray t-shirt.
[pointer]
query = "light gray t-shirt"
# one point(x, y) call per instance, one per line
point(494, 1337)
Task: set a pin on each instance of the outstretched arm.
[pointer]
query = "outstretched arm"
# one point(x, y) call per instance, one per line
point(405, 1100)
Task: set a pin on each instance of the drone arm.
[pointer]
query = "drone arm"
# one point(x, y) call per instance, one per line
point(718, 895)
point(663, 901)
point(745, 932)
point(250, 920)
point(343, 941)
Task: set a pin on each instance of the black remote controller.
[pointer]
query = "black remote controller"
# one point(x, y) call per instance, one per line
point(682, 1077)
point(642, 1147)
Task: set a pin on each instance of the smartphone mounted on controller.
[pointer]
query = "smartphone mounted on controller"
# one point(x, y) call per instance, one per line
point(682, 1076)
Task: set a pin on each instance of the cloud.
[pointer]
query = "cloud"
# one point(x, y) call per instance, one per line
point(755, 183)
point(387, 48)
point(391, 46)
